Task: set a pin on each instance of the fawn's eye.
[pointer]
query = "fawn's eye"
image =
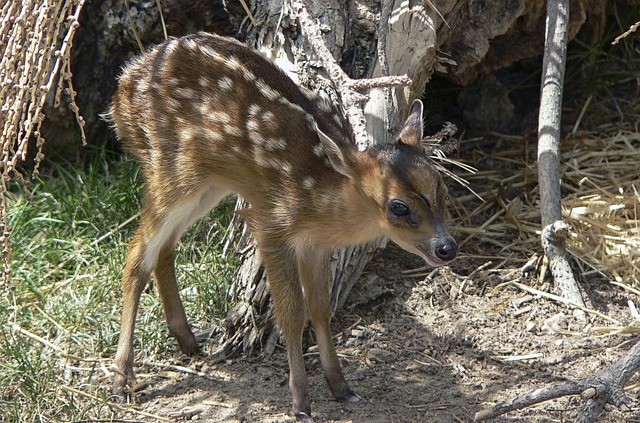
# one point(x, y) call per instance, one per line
point(398, 208)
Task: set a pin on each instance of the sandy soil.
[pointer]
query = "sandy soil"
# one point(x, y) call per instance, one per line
point(417, 349)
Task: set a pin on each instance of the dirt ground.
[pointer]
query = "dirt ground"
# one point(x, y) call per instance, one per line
point(417, 349)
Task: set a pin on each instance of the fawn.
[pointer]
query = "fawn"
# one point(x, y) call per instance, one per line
point(208, 116)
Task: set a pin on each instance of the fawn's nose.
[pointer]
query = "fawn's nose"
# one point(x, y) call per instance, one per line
point(446, 250)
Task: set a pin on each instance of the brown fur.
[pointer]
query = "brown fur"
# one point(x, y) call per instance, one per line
point(207, 116)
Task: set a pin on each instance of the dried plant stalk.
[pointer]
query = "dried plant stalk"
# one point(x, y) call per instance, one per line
point(36, 38)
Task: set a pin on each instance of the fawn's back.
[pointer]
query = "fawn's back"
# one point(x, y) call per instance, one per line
point(207, 110)
point(207, 116)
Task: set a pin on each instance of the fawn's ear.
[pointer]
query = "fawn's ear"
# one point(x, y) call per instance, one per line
point(339, 156)
point(411, 132)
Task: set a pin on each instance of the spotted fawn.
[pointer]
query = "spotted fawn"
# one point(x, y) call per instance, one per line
point(207, 116)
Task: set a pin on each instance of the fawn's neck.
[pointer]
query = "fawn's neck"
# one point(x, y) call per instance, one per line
point(337, 216)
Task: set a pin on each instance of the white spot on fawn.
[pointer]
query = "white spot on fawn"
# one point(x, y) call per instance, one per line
point(253, 110)
point(211, 53)
point(187, 93)
point(190, 43)
point(266, 90)
point(233, 63)
point(225, 83)
point(219, 117)
point(186, 135)
point(233, 130)
point(173, 104)
point(268, 116)
point(292, 105)
point(318, 150)
point(171, 46)
point(204, 82)
point(248, 75)
point(308, 183)
point(143, 85)
point(253, 126)
point(279, 164)
point(212, 134)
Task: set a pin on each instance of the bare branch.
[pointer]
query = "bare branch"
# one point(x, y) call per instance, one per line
point(348, 88)
point(606, 387)
point(553, 229)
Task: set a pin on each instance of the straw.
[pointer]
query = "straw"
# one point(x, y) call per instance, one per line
point(601, 200)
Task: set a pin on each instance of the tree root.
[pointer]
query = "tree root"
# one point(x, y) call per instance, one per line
point(605, 387)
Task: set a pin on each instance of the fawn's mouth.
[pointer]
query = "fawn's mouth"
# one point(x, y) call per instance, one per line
point(428, 254)
point(434, 261)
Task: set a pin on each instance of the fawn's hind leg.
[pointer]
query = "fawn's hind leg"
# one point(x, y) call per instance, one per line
point(134, 280)
point(152, 250)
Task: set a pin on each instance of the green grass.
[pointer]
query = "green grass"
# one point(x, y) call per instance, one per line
point(61, 320)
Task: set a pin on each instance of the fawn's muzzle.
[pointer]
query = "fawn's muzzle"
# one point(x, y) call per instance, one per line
point(446, 249)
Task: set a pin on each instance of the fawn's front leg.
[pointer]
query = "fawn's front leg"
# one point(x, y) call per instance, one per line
point(290, 314)
point(313, 267)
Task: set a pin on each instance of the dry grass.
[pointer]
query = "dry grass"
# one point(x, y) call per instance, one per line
point(601, 197)
point(603, 172)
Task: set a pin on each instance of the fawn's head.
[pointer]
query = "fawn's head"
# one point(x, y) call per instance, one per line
point(408, 192)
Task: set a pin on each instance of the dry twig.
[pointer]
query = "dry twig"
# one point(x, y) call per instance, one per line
point(349, 89)
point(604, 387)
point(554, 230)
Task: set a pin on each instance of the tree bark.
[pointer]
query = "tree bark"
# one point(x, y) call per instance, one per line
point(554, 230)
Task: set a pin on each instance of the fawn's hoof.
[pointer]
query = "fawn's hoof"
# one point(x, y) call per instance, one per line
point(349, 396)
point(124, 389)
point(342, 392)
point(303, 417)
